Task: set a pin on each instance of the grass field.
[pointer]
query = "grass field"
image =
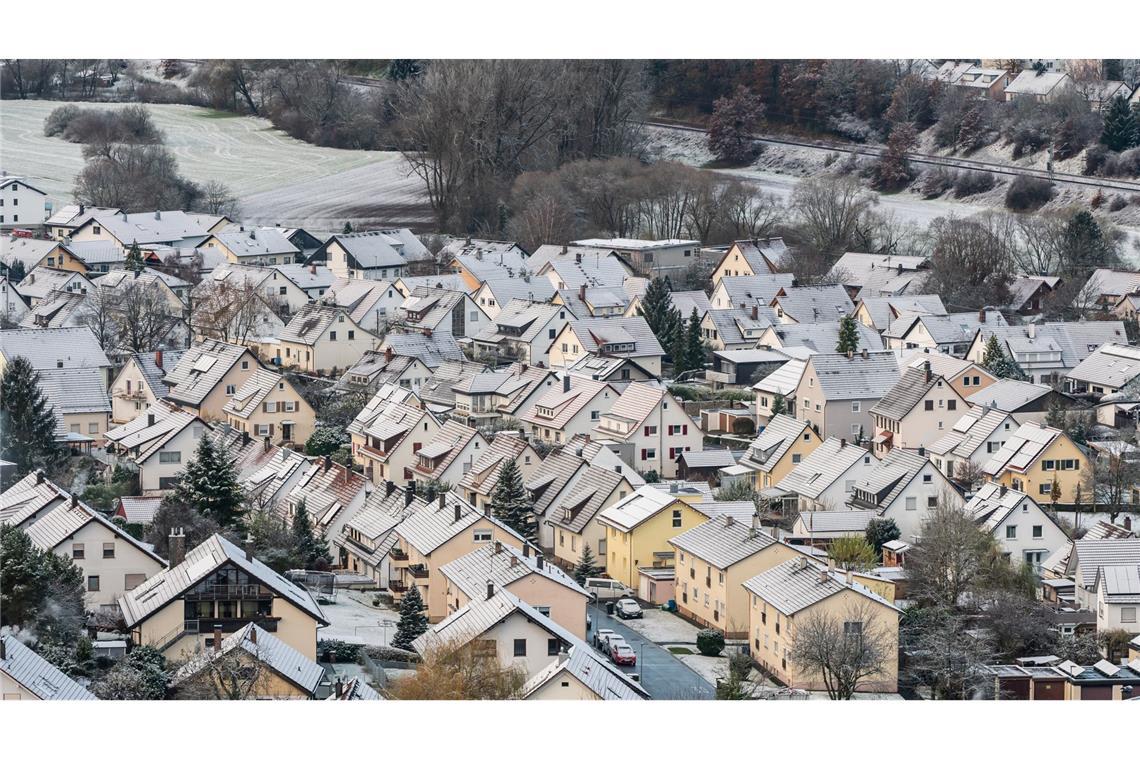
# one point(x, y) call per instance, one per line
point(279, 180)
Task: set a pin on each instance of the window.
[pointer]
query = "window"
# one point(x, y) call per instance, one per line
point(651, 430)
point(1011, 531)
point(1038, 531)
point(231, 390)
point(649, 453)
point(595, 415)
point(244, 365)
point(796, 458)
point(481, 536)
point(332, 335)
point(92, 427)
point(133, 580)
point(676, 518)
point(928, 405)
point(270, 407)
point(520, 647)
point(927, 478)
point(351, 334)
point(77, 551)
point(853, 628)
point(1127, 614)
point(169, 457)
point(911, 503)
point(550, 333)
point(553, 647)
point(109, 550)
point(856, 407)
point(952, 404)
point(92, 582)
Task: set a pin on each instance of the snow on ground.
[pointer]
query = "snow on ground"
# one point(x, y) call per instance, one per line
point(277, 179)
point(354, 619)
point(663, 627)
point(712, 668)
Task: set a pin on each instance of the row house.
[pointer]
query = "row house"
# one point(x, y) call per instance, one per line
point(651, 428)
point(177, 229)
point(916, 411)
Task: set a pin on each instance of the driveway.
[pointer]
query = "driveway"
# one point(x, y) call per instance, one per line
point(662, 674)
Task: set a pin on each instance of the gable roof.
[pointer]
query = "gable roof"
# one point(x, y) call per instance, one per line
point(263, 241)
point(158, 591)
point(638, 507)
point(584, 495)
point(885, 309)
point(797, 584)
point(82, 390)
point(822, 467)
point(878, 274)
point(150, 227)
point(59, 308)
point(818, 303)
point(595, 332)
point(152, 373)
point(762, 254)
point(785, 379)
point(1032, 82)
point(271, 651)
point(890, 476)
point(140, 433)
point(1075, 340)
point(474, 619)
point(327, 488)
point(634, 404)
point(563, 404)
point(723, 541)
point(1121, 583)
point(432, 350)
point(484, 473)
point(558, 469)
point(779, 435)
point(590, 669)
point(250, 394)
point(201, 368)
point(1089, 555)
point(55, 347)
point(1009, 395)
point(36, 674)
point(27, 496)
point(737, 325)
point(310, 323)
point(501, 565)
point(390, 413)
point(970, 432)
point(527, 318)
point(822, 337)
point(906, 393)
point(1022, 449)
point(859, 377)
point(432, 526)
point(1112, 365)
point(370, 250)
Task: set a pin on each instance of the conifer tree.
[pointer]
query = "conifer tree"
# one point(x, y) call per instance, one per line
point(413, 622)
point(209, 484)
point(693, 351)
point(848, 336)
point(510, 504)
point(779, 405)
point(1120, 128)
point(660, 314)
point(1000, 364)
point(27, 422)
point(586, 567)
point(134, 261)
point(311, 548)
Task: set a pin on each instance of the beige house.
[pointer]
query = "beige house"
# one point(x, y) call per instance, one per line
point(208, 375)
point(477, 483)
point(780, 599)
point(140, 384)
point(257, 246)
point(746, 258)
point(782, 444)
point(964, 376)
point(278, 671)
point(574, 408)
point(880, 312)
point(218, 587)
point(572, 518)
point(389, 432)
point(160, 443)
point(977, 435)
point(781, 384)
point(621, 337)
point(268, 406)
point(451, 455)
point(322, 339)
point(916, 411)
point(651, 428)
point(26, 675)
point(522, 331)
point(714, 560)
point(837, 391)
point(582, 673)
point(527, 575)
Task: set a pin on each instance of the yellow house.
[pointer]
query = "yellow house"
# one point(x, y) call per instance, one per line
point(268, 406)
point(745, 258)
point(525, 574)
point(275, 670)
point(638, 529)
point(139, 384)
point(322, 339)
point(208, 375)
point(714, 560)
point(1033, 458)
point(784, 443)
point(26, 675)
point(218, 587)
point(784, 597)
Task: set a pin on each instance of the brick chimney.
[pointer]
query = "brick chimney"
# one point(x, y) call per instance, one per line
point(253, 634)
point(150, 418)
point(39, 477)
point(526, 550)
point(982, 315)
point(442, 500)
point(498, 546)
point(755, 312)
point(926, 370)
point(327, 463)
point(265, 443)
point(248, 548)
point(177, 544)
point(158, 358)
point(582, 293)
point(388, 354)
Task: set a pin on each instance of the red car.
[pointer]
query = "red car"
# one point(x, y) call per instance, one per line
point(623, 654)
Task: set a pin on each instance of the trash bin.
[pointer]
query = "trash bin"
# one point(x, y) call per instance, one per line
point(609, 608)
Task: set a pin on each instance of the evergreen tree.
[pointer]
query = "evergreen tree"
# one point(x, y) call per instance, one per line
point(848, 336)
point(134, 261)
point(779, 405)
point(1085, 247)
point(693, 353)
point(347, 229)
point(413, 622)
point(510, 503)
point(998, 363)
point(660, 314)
point(586, 567)
point(209, 484)
point(27, 421)
point(1120, 128)
point(311, 548)
point(1056, 416)
point(880, 532)
point(39, 590)
point(17, 271)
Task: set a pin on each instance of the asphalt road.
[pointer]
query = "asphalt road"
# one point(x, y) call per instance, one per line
point(662, 674)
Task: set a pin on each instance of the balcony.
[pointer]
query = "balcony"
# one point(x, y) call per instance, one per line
point(228, 625)
point(230, 591)
point(418, 571)
point(398, 586)
point(398, 554)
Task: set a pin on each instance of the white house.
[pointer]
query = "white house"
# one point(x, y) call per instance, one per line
point(21, 205)
point(1026, 532)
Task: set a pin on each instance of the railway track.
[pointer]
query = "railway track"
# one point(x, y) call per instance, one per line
point(991, 167)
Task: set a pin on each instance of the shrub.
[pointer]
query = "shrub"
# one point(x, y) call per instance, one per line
point(1117, 203)
point(710, 643)
point(743, 426)
point(343, 651)
point(1028, 193)
point(392, 654)
point(972, 183)
point(937, 181)
point(57, 121)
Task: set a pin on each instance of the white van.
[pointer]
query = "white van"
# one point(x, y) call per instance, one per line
point(607, 588)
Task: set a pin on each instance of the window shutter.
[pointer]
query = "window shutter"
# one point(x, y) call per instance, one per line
point(646, 430)
point(643, 453)
point(684, 430)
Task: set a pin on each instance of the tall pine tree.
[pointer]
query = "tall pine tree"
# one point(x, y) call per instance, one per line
point(1000, 364)
point(586, 567)
point(1121, 131)
point(848, 336)
point(209, 484)
point(510, 504)
point(134, 261)
point(311, 548)
point(661, 315)
point(413, 622)
point(690, 353)
point(27, 422)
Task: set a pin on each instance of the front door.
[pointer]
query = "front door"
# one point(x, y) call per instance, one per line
point(286, 431)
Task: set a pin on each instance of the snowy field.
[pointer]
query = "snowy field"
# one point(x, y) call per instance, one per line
point(279, 180)
point(355, 620)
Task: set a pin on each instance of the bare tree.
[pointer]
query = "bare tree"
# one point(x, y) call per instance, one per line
point(231, 313)
point(749, 212)
point(830, 211)
point(948, 558)
point(968, 472)
point(235, 674)
point(945, 656)
point(98, 312)
point(144, 314)
point(460, 673)
point(218, 200)
point(1111, 480)
point(844, 650)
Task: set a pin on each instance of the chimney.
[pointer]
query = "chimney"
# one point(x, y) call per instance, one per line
point(577, 258)
point(538, 560)
point(442, 499)
point(253, 634)
point(1127, 522)
point(582, 293)
point(248, 548)
point(755, 312)
point(514, 561)
point(458, 510)
point(388, 354)
point(842, 443)
point(244, 438)
point(158, 358)
point(389, 487)
point(158, 215)
point(217, 637)
point(850, 577)
point(150, 418)
point(981, 315)
point(1001, 490)
point(490, 589)
point(409, 494)
point(864, 353)
point(566, 383)
point(526, 550)
point(338, 688)
point(523, 368)
point(327, 463)
point(266, 443)
point(823, 576)
point(1032, 330)
point(673, 487)
point(312, 268)
point(177, 546)
point(39, 477)
point(755, 521)
point(830, 564)
point(728, 521)
point(3, 648)
point(487, 509)
point(498, 546)
point(926, 370)
point(850, 353)
point(74, 501)
point(922, 451)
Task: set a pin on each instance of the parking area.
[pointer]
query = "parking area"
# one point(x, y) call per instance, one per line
point(663, 627)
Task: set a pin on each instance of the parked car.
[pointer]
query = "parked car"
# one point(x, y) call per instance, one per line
point(623, 654)
point(607, 588)
point(614, 641)
point(628, 608)
point(600, 637)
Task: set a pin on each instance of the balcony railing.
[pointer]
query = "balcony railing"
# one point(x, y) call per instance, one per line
point(398, 554)
point(418, 571)
point(398, 586)
point(231, 591)
point(229, 625)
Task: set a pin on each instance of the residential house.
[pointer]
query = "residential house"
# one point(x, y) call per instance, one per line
point(159, 443)
point(1118, 597)
point(714, 559)
point(1107, 369)
point(277, 670)
point(745, 292)
point(572, 518)
point(837, 391)
point(438, 391)
point(332, 494)
point(523, 331)
point(587, 268)
point(501, 394)
point(825, 479)
point(268, 406)
point(1028, 293)
point(21, 204)
point(820, 337)
point(176, 229)
point(783, 444)
point(973, 439)
point(431, 310)
point(782, 383)
point(810, 305)
point(1105, 288)
point(527, 575)
point(1048, 351)
point(563, 412)
point(29, 499)
point(597, 301)
point(279, 292)
point(26, 675)
point(140, 383)
point(652, 427)
point(376, 255)
point(59, 308)
point(451, 454)
point(988, 83)
point(370, 303)
point(1027, 402)
point(651, 258)
point(12, 305)
point(951, 334)
point(29, 253)
point(242, 305)
point(63, 221)
point(582, 673)
point(365, 540)
point(560, 468)
point(388, 433)
point(904, 487)
point(448, 281)
point(638, 529)
point(42, 282)
point(684, 301)
point(743, 366)
point(377, 368)
point(1026, 533)
point(313, 279)
point(137, 510)
point(872, 275)
point(622, 337)
point(322, 339)
point(818, 529)
point(218, 586)
point(880, 312)
point(1088, 556)
point(207, 375)
point(501, 286)
point(916, 411)
point(966, 377)
point(731, 329)
point(433, 350)
point(260, 246)
point(1040, 86)
point(746, 258)
point(781, 598)
point(618, 371)
point(1034, 459)
point(477, 483)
